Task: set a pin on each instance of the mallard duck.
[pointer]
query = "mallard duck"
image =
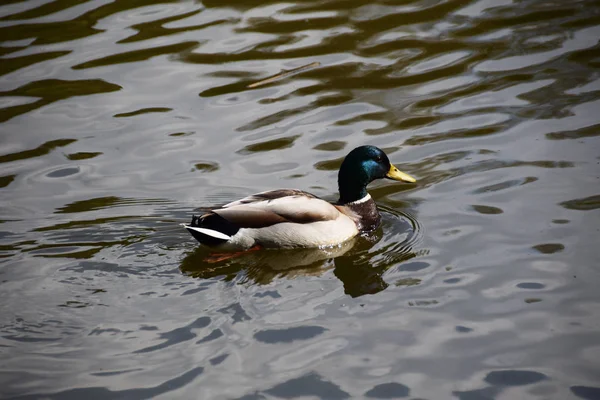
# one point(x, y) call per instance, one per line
point(288, 218)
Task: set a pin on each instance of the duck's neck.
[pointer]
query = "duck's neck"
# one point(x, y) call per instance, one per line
point(351, 189)
point(354, 195)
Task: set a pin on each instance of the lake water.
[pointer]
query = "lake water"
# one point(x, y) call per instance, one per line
point(119, 118)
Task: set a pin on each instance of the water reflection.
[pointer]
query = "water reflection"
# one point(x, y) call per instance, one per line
point(359, 263)
point(118, 118)
point(264, 265)
point(50, 91)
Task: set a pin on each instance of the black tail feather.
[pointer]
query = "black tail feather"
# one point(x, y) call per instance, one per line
point(215, 222)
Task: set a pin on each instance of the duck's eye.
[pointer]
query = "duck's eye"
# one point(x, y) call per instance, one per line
point(378, 159)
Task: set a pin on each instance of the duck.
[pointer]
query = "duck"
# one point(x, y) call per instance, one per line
point(292, 218)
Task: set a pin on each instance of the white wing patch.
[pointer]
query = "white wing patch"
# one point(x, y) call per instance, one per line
point(209, 232)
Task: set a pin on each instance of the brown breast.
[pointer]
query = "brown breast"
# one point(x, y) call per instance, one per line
point(365, 215)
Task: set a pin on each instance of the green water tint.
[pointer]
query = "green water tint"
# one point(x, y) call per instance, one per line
point(119, 119)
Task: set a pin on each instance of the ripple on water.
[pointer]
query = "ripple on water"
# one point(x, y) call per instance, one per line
point(119, 118)
point(272, 336)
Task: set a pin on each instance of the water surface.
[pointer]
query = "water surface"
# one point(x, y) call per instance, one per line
point(119, 118)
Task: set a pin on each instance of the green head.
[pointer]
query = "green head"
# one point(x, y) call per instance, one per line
point(363, 165)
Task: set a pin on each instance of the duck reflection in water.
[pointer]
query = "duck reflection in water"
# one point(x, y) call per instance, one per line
point(359, 263)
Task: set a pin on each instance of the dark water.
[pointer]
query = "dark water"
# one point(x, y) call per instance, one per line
point(119, 118)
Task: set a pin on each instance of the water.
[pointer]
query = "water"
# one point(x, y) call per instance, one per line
point(119, 118)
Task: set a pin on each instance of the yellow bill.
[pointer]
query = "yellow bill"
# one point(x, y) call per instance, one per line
point(397, 175)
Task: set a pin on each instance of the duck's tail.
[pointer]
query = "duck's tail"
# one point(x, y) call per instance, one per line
point(205, 229)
